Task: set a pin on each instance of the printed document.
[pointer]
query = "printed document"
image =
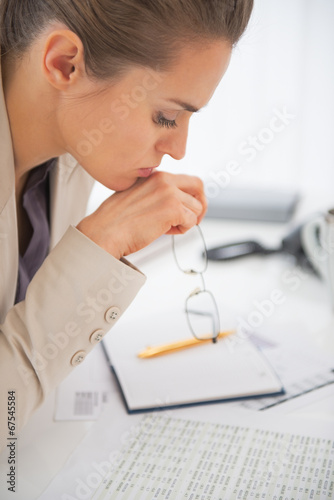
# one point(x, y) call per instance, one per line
point(183, 459)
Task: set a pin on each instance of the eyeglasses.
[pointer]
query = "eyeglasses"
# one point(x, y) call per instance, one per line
point(190, 254)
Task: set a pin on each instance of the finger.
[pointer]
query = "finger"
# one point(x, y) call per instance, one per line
point(188, 183)
point(205, 207)
point(186, 221)
point(198, 204)
point(195, 187)
point(191, 203)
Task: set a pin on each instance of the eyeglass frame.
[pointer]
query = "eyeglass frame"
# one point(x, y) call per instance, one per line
point(198, 290)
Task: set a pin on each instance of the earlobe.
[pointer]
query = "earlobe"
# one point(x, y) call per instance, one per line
point(63, 58)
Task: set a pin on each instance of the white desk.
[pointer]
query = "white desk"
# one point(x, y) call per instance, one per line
point(44, 445)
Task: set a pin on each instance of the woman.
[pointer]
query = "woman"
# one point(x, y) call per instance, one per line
point(95, 89)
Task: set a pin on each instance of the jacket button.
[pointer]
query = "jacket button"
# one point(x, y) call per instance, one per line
point(78, 358)
point(112, 314)
point(96, 336)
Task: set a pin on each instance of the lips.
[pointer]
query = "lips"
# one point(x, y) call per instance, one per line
point(146, 172)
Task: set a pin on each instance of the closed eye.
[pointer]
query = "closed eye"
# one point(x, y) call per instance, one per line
point(164, 122)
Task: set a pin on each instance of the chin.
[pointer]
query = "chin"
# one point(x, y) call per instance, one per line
point(120, 184)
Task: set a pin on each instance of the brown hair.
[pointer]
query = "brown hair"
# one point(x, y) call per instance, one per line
point(119, 33)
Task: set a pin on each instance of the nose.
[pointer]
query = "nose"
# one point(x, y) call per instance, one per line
point(174, 143)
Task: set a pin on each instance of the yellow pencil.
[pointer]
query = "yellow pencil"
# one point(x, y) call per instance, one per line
point(151, 352)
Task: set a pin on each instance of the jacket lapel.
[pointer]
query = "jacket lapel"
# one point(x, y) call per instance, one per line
point(8, 222)
point(6, 153)
point(70, 187)
point(62, 196)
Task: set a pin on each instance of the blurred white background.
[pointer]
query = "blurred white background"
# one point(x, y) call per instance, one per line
point(283, 64)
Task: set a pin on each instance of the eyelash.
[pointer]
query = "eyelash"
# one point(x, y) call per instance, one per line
point(163, 122)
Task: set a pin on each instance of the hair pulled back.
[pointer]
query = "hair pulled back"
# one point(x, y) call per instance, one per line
point(119, 33)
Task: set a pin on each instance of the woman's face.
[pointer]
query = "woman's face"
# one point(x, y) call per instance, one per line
point(121, 133)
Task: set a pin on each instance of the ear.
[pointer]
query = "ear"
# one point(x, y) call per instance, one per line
point(63, 59)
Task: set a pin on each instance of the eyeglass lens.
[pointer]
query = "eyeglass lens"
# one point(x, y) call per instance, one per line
point(202, 315)
point(191, 257)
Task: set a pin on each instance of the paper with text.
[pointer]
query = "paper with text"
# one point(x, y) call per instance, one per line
point(178, 459)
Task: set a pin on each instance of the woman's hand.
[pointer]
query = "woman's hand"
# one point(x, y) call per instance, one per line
point(130, 220)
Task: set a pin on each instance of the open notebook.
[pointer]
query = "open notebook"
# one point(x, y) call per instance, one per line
point(233, 368)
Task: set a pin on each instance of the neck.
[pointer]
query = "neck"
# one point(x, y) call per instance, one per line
point(32, 118)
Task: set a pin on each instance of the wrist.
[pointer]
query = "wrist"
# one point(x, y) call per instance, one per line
point(97, 235)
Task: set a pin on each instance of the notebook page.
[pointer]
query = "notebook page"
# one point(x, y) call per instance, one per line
point(205, 373)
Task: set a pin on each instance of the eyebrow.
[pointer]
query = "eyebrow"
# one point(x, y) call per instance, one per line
point(186, 106)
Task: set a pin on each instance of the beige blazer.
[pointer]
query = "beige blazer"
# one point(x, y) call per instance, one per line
point(77, 295)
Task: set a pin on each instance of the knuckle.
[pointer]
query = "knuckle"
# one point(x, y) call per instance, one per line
point(199, 183)
point(198, 180)
point(166, 192)
point(165, 176)
point(160, 177)
point(159, 180)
